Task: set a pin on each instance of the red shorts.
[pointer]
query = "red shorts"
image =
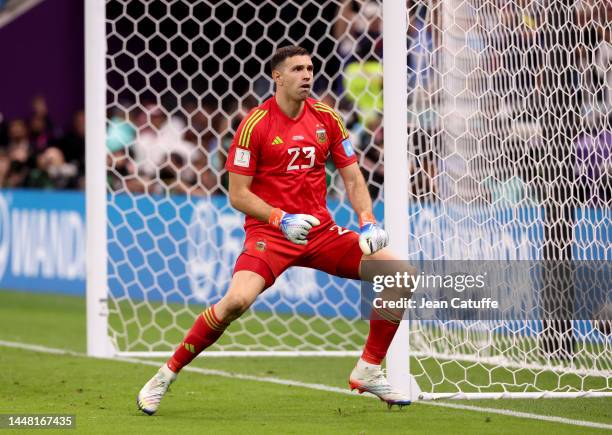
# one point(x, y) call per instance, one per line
point(330, 248)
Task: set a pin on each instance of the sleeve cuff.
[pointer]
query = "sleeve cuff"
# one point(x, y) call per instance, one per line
point(241, 171)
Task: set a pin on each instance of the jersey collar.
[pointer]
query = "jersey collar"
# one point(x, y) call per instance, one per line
point(282, 114)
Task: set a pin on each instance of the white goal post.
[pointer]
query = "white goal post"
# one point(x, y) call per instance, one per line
point(98, 343)
point(494, 148)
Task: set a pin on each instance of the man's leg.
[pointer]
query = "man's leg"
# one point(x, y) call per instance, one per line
point(352, 264)
point(207, 328)
point(383, 323)
point(367, 374)
point(211, 323)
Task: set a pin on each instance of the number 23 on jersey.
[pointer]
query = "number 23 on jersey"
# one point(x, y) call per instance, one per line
point(301, 158)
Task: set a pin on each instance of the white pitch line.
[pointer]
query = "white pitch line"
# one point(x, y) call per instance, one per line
point(320, 387)
point(518, 414)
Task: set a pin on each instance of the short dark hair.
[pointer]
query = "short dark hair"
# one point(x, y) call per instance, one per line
point(286, 52)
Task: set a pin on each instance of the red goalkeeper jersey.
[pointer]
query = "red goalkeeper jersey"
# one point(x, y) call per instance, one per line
point(286, 157)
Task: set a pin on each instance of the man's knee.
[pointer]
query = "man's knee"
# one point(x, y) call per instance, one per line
point(386, 263)
point(236, 304)
point(243, 291)
point(383, 262)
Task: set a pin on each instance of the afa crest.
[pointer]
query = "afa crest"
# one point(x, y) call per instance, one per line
point(260, 245)
point(321, 135)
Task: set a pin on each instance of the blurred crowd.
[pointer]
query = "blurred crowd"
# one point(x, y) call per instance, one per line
point(152, 151)
point(36, 153)
point(159, 146)
point(184, 152)
point(179, 145)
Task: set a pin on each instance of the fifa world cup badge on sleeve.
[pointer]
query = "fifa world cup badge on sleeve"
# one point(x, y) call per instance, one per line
point(348, 147)
point(242, 158)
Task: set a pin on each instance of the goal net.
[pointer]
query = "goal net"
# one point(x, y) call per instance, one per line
point(180, 78)
point(509, 158)
point(509, 145)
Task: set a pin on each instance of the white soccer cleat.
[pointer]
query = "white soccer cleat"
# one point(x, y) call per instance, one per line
point(151, 394)
point(372, 379)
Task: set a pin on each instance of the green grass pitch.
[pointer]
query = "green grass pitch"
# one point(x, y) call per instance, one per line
point(101, 393)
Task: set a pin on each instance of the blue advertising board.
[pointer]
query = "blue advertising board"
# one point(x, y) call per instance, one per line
point(177, 249)
point(42, 241)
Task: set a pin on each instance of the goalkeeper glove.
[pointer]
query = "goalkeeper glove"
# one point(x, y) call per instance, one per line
point(372, 238)
point(295, 227)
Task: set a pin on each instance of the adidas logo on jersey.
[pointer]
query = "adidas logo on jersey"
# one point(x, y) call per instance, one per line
point(277, 141)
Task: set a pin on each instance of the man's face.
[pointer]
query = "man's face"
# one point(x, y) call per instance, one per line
point(294, 77)
point(17, 130)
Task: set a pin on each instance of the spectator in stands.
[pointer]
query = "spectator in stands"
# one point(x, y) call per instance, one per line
point(159, 138)
point(120, 139)
point(5, 166)
point(72, 144)
point(198, 120)
point(40, 138)
point(121, 133)
point(363, 82)
point(18, 135)
point(358, 31)
point(206, 179)
point(603, 65)
point(42, 132)
point(422, 36)
point(52, 171)
point(372, 144)
point(593, 166)
point(17, 154)
point(4, 160)
point(358, 27)
point(3, 131)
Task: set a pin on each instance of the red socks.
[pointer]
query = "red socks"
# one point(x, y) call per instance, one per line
point(205, 331)
point(379, 339)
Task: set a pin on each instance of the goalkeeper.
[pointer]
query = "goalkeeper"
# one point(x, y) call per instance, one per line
point(277, 179)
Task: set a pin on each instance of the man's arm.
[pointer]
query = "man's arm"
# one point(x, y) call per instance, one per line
point(295, 227)
point(244, 200)
point(372, 238)
point(356, 189)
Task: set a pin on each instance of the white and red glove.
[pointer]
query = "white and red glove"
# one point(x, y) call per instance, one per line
point(295, 227)
point(372, 237)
